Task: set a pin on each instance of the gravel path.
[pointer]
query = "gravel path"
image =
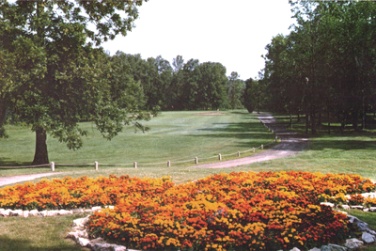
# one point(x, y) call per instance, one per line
point(291, 144)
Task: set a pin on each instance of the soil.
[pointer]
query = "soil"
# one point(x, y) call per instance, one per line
point(290, 145)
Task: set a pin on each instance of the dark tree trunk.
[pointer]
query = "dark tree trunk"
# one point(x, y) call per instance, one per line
point(313, 123)
point(2, 111)
point(41, 153)
point(2, 118)
point(355, 121)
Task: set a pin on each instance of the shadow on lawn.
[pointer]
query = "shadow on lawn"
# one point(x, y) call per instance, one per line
point(241, 131)
point(343, 144)
point(7, 244)
point(9, 162)
point(260, 135)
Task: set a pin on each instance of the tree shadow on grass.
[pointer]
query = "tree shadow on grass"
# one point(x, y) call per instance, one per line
point(8, 244)
point(248, 133)
point(9, 162)
point(260, 135)
point(344, 145)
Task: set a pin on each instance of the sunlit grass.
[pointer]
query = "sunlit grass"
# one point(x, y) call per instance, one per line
point(174, 136)
point(37, 234)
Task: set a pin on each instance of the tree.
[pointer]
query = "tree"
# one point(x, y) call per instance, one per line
point(235, 90)
point(326, 64)
point(162, 81)
point(183, 87)
point(6, 86)
point(254, 95)
point(211, 86)
point(60, 78)
point(248, 102)
point(178, 63)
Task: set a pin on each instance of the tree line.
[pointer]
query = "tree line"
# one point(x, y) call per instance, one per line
point(326, 66)
point(181, 85)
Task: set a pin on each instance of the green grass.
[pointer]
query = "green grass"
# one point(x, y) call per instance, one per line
point(351, 152)
point(175, 136)
point(370, 218)
point(37, 234)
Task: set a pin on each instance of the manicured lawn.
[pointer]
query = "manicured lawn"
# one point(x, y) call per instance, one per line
point(174, 136)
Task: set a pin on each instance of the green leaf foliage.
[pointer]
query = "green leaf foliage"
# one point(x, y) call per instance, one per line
point(326, 64)
point(58, 77)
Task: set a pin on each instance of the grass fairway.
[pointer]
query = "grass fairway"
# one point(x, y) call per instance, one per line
point(174, 136)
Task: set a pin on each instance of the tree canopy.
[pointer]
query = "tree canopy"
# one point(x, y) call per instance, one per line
point(54, 76)
point(326, 64)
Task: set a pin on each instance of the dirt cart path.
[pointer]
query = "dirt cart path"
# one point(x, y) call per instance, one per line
point(291, 144)
point(21, 178)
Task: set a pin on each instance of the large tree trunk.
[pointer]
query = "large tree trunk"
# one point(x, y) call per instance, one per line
point(41, 153)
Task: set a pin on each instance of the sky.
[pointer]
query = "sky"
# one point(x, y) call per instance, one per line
point(231, 32)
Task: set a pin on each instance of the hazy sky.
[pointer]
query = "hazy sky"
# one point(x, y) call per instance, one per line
point(231, 32)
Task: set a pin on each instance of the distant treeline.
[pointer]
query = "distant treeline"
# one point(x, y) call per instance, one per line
point(181, 85)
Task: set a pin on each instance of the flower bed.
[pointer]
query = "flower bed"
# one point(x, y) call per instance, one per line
point(237, 211)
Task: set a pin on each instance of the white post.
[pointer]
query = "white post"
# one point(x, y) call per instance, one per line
point(238, 154)
point(220, 157)
point(169, 163)
point(196, 160)
point(135, 165)
point(262, 147)
point(96, 165)
point(52, 164)
point(254, 150)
